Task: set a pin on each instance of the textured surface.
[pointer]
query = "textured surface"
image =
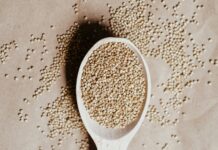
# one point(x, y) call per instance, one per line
point(36, 34)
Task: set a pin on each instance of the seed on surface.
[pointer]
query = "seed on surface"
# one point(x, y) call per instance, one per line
point(15, 78)
point(52, 26)
point(210, 39)
point(6, 75)
point(30, 78)
point(209, 83)
point(19, 69)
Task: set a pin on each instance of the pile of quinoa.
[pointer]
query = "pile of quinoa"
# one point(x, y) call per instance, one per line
point(113, 85)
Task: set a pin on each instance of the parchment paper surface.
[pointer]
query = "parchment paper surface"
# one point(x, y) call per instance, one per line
point(196, 130)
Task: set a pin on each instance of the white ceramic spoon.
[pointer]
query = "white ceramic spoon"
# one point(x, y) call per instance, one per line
point(109, 138)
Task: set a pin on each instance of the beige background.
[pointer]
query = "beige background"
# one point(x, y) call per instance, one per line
point(196, 130)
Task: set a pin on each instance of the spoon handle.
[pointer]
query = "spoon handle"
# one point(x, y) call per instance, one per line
point(112, 145)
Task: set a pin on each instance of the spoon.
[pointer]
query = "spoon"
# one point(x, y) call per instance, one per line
point(112, 138)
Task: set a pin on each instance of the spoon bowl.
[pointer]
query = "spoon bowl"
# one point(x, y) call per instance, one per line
point(112, 138)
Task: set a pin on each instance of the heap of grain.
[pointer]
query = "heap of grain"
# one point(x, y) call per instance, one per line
point(113, 85)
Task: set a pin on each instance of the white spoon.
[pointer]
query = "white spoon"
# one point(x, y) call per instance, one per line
point(109, 138)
